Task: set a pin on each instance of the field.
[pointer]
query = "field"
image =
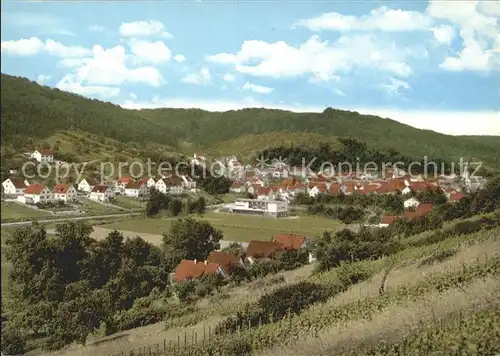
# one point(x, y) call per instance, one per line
point(421, 289)
point(129, 203)
point(94, 208)
point(237, 227)
point(17, 212)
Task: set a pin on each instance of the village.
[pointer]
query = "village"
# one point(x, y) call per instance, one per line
point(264, 191)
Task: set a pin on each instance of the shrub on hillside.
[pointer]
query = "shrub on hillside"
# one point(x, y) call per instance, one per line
point(13, 341)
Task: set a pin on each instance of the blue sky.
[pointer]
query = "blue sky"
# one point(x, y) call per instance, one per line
point(432, 65)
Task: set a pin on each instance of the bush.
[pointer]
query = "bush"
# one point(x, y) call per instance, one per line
point(260, 269)
point(186, 291)
point(13, 341)
point(291, 259)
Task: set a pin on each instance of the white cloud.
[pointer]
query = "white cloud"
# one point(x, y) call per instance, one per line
point(179, 58)
point(107, 67)
point(58, 49)
point(23, 47)
point(42, 78)
point(33, 45)
point(317, 58)
point(133, 96)
point(444, 34)
point(202, 77)
point(394, 88)
point(382, 18)
point(478, 25)
point(143, 29)
point(447, 122)
point(152, 52)
point(45, 24)
point(96, 28)
point(228, 77)
point(257, 88)
point(71, 84)
point(338, 92)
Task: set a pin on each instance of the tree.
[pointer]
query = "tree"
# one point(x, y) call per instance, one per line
point(201, 205)
point(216, 185)
point(191, 239)
point(175, 207)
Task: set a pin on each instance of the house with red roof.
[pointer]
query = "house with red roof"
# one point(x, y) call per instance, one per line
point(456, 196)
point(421, 211)
point(170, 185)
point(262, 250)
point(101, 193)
point(64, 192)
point(35, 194)
point(193, 269)
point(294, 242)
point(135, 189)
point(224, 260)
point(387, 220)
point(14, 186)
point(237, 187)
point(43, 155)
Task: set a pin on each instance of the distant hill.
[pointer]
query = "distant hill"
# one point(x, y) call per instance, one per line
point(33, 113)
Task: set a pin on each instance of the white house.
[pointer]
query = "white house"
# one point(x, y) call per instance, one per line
point(151, 182)
point(170, 185)
point(86, 185)
point(411, 203)
point(135, 189)
point(237, 187)
point(198, 159)
point(122, 182)
point(36, 193)
point(188, 182)
point(14, 186)
point(43, 155)
point(101, 193)
point(64, 192)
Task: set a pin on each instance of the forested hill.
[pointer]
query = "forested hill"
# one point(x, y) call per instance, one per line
point(30, 110)
point(33, 111)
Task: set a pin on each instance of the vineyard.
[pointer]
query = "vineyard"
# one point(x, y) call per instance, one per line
point(461, 271)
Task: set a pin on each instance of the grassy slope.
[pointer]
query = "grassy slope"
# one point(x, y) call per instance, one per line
point(32, 113)
point(15, 212)
point(356, 313)
point(246, 146)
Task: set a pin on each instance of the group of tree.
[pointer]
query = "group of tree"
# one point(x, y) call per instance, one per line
point(66, 287)
point(160, 202)
point(391, 203)
point(352, 151)
point(347, 215)
point(69, 285)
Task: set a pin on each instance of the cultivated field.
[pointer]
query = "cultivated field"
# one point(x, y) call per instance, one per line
point(237, 227)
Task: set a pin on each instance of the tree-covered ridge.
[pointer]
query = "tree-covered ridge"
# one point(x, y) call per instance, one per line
point(32, 110)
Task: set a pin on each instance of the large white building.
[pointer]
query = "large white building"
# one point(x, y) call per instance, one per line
point(274, 208)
